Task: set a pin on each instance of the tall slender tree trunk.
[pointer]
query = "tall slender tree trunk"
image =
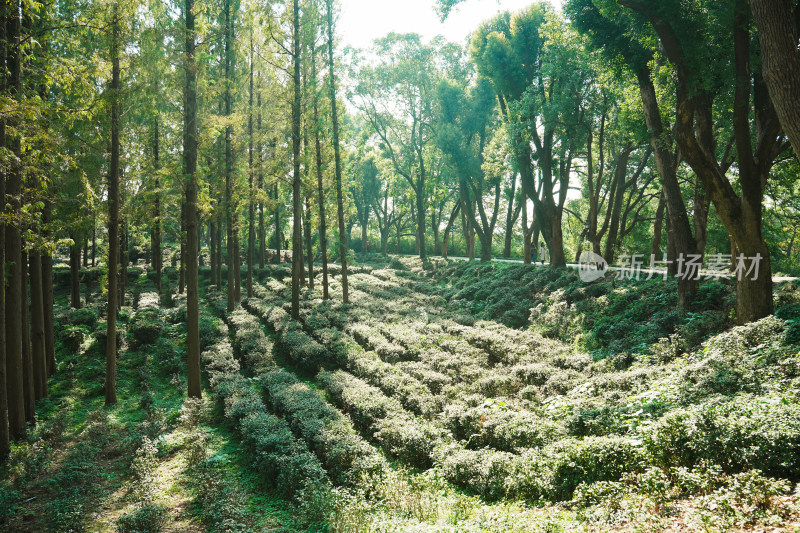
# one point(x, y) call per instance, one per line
point(231, 240)
point(182, 270)
point(155, 235)
point(658, 224)
point(37, 322)
point(449, 228)
point(277, 225)
point(297, 245)
point(323, 226)
point(251, 208)
point(113, 220)
point(13, 238)
point(309, 249)
point(190, 179)
point(29, 385)
point(5, 446)
point(74, 272)
point(337, 155)
point(510, 218)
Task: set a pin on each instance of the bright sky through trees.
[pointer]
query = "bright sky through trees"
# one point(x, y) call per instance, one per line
point(362, 21)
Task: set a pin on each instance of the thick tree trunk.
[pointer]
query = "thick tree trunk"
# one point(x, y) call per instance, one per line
point(190, 142)
point(13, 241)
point(778, 34)
point(682, 238)
point(5, 446)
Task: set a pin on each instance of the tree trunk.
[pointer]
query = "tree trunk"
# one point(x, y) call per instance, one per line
point(337, 154)
point(682, 238)
point(74, 274)
point(37, 323)
point(615, 203)
point(262, 234)
point(510, 218)
point(155, 235)
point(190, 169)
point(113, 221)
point(212, 230)
point(229, 223)
point(182, 270)
point(29, 386)
point(308, 249)
point(297, 245)
point(323, 226)
point(277, 227)
point(449, 227)
point(5, 445)
point(655, 249)
point(251, 208)
point(778, 34)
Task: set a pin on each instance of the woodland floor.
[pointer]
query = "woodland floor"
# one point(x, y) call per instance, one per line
point(414, 411)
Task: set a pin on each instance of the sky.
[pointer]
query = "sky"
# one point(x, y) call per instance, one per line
point(362, 21)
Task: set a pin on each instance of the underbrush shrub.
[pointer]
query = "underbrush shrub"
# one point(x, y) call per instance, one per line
point(282, 461)
point(72, 337)
point(494, 425)
point(302, 350)
point(738, 434)
point(85, 316)
point(399, 433)
point(345, 455)
point(484, 472)
point(553, 472)
point(146, 327)
point(734, 361)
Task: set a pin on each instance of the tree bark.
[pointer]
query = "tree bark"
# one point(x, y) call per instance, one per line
point(510, 217)
point(683, 242)
point(113, 220)
point(297, 245)
point(337, 155)
point(251, 208)
point(13, 240)
point(190, 142)
point(229, 223)
point(323, 226)
point(155, 235)
point(74, 273)
point(37, 323)
point(778, 34)
point(29, 385)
